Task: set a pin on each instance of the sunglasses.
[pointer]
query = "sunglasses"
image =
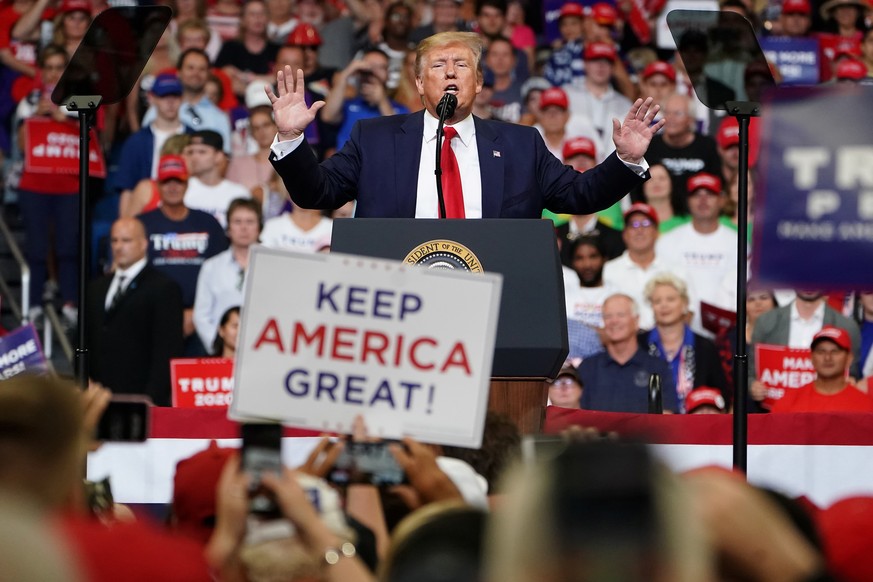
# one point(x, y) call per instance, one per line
point(644, 223)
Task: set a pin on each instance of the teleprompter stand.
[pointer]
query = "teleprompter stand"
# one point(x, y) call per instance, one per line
point(707, 41)
point(103, 70)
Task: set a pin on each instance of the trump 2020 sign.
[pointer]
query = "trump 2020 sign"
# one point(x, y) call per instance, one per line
point(327, 337)
point(814, 219)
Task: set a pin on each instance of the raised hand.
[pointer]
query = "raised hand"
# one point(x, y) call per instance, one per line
point(632, 137)
point(290, 111)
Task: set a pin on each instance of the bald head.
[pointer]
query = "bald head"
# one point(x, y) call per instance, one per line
point(129, 242)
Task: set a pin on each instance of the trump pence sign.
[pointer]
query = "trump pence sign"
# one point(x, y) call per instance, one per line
point(324, 338)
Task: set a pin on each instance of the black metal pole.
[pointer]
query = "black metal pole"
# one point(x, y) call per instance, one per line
point(743, 111)
point(85, 106)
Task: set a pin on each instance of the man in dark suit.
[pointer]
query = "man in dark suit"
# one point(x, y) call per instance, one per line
point(135, 317)
point(505, 170)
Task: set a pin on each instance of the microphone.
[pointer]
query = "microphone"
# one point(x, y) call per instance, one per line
point(656, 404)
point(446, 107)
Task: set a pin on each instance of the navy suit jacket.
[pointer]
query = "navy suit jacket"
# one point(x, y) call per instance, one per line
point(379, 165)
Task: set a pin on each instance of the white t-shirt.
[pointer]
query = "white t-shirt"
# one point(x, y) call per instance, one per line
point(214, 199)
point(707, 259)
point(281, 233)
point(577, 126)
point(585, 304)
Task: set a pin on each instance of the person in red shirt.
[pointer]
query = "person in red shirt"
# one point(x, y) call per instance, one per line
point(830, 391)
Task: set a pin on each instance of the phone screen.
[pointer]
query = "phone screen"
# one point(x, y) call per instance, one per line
point(370, 463)
point(261, 451)
point(534, 447)
point(126, 419)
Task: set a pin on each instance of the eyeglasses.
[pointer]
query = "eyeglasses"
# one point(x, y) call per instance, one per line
point(645, 223)
point(564, 382)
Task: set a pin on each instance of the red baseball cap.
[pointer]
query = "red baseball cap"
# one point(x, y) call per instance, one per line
point(194, 486)
point(796, 7)
point(554, 96)
point(835, 334)
point(68, 6)
point(571, 9)
point(851, 70)
point(704, 180)
point(172, 167)
point(641, 208)
point(848, 48)
point(846, 537)
point(604, 14)
point(660, 68)
point(728, 133)
point(579, 146)
point(304, 34)
point(704, 396)
point(600, 50)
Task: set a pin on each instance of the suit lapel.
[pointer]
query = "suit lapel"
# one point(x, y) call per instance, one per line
point(407, 148)
point(491, 162)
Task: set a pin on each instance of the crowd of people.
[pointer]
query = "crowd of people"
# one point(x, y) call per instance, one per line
point(583, 507)
point(190, 187)
point(187, 154)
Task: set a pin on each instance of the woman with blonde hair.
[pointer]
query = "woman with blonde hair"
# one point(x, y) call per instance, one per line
point(693, 358)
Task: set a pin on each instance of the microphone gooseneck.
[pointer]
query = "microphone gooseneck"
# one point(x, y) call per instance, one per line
point(444, 109)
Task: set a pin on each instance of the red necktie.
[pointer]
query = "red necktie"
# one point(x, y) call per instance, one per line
point(451, 177)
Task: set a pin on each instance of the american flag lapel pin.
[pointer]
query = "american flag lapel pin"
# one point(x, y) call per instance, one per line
point(495, 153)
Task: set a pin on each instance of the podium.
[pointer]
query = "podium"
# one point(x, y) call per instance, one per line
point(531, 340)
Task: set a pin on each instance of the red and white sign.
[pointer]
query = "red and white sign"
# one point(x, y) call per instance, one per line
point(781, 368)
point(202, 382)
point(715, 318)
point(52, 147)
point(325, 338)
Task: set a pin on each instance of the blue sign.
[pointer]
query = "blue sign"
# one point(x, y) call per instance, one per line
point(814, 212)
point(796, 58)
point(20, 351)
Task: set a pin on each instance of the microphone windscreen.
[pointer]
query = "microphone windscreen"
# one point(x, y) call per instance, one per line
point(448, 103)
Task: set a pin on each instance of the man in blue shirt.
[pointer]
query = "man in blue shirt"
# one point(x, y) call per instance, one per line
point(617, 380)
point(180, 239)
point(369, 75)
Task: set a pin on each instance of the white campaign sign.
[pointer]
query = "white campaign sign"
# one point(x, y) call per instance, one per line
point(324, 338)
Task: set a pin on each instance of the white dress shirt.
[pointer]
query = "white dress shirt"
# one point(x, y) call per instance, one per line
point(128, 275)
point(219, 287)
point(467, 154)
point(801, 331)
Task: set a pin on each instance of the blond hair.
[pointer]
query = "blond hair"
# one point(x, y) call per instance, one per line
point(469, 40)
point(669, 280)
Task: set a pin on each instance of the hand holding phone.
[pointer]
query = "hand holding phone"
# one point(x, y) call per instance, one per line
point(261, 452)
point(366, 462)
point(126, 419)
